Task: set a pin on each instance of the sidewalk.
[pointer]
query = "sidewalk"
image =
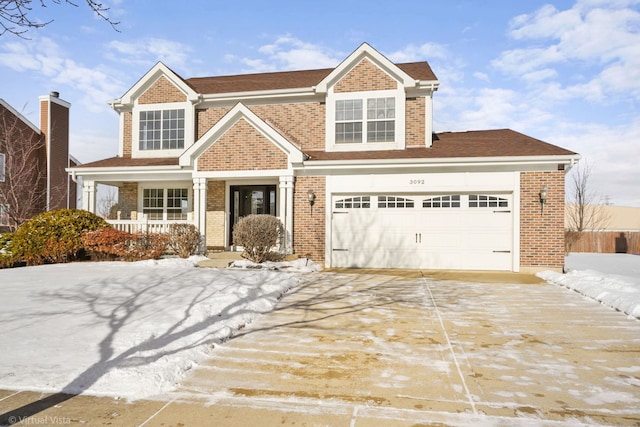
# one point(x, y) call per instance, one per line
point(384, 350)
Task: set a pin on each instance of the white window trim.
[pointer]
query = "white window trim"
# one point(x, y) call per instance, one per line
point(189, 121)
point(330, 118)
point(164, 186)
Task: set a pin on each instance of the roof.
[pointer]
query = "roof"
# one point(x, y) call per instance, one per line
point(481, 143)
point(286, 79)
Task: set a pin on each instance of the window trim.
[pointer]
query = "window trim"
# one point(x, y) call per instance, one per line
point(164, 186)
point(188, 109)
point(399, 119)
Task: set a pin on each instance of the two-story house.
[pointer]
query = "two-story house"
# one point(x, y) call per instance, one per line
point(346, 158)
point(33, 162)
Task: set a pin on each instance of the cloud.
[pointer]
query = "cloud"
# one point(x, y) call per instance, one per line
point(289, 53)
point(147, 51)
point(423, 52)
point(600, 37)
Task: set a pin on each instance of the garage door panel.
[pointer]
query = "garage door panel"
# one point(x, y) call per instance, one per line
point(430, 236)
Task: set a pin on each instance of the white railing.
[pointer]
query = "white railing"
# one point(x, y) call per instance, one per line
point(145, 225)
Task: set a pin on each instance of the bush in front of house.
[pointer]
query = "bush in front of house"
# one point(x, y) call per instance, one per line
point(7, 258)
point(258, 235)
point(146, 246)
point(184, 239)
point(106, 244)
point(54, 236)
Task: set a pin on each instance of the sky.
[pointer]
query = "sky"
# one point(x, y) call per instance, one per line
point(565, 72)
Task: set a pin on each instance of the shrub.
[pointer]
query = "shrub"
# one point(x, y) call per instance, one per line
point(7, 258)
point(106, 243)
point(54, 236)
point(257, 234)
point(184, 239)
point(146, 246)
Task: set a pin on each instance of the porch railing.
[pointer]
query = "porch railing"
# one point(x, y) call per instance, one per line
point(145, 225)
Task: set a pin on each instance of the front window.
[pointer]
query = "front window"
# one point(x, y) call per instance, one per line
point(4, 215)
point(1, 167)
point(162, 129)
point(165, 203)
point(379, 121)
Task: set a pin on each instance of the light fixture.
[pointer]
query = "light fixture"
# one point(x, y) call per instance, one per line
point(543, 196)
point(311, 196)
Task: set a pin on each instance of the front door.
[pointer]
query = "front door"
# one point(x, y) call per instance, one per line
point(251, 200)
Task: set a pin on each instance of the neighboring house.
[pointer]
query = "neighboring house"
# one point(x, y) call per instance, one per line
point(33, 160)
point(345, 157)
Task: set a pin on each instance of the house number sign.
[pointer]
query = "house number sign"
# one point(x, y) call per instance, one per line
point(416, 182)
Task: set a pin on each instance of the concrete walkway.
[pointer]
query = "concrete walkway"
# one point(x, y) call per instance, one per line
point(402, 349)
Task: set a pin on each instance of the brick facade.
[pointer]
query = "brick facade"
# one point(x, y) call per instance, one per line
point(242, 147)
point(365, 76)
point(414, 119)
point(541, 231)
point(216, 216)
point(309, 221)
point(127, 134)
point(162, 91)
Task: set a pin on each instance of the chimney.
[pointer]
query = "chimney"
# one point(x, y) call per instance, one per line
point(54, 124)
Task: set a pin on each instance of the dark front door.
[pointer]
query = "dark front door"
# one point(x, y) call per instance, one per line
point(251, 200)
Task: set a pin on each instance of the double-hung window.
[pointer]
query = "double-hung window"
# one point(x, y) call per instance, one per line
point(355, 125)
point(161, 129)
point(165, 203)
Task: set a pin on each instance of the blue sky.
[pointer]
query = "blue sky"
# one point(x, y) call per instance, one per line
point(566, 72)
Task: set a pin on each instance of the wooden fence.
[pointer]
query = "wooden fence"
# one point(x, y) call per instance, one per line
point(608, 242)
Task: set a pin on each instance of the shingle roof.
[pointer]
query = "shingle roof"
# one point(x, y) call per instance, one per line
point(286, 79)
point(471, 144)
point(483, 143)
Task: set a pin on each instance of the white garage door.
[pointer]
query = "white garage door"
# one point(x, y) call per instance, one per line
point(450, 231)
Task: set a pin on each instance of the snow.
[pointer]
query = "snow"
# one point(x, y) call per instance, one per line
point(612, 279)
point(130, 330)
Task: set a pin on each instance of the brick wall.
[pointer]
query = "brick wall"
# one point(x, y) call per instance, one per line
point(216, 215)
point(414, 127)
point(309, 221)
point(128, 199)
point(127, 134)
point(161, 91)
point(365, 76)
point(541, 232)
point(205, 119)
point(242, 148)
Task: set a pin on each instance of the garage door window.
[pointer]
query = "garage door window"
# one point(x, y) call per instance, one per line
point(394, 202)
point(483, 201)
point(358, 202)
point(449, 201)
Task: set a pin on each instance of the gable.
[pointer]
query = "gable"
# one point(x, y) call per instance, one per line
point(365, 76)
point(242, 147)
point(162, 90)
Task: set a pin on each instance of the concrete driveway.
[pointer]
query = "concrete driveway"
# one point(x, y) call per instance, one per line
point(403, 349)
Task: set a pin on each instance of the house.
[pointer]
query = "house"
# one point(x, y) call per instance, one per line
point(346, 158)
point(33, 162)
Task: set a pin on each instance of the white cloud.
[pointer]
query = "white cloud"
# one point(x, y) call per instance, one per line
point(423, 52)
point(289, 53)
point(146, 52)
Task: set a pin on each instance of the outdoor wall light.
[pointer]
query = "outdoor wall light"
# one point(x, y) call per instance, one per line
point(311, 196)
point(543, 196)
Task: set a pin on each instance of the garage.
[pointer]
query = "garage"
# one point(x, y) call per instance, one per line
point(462, 231)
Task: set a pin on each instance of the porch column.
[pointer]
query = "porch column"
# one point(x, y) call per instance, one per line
point(89, 195)
point(200, 204)
point(286, 211)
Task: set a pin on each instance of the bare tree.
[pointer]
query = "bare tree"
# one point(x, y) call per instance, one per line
point(23, 191)
point(586, 209)
point(15, 15)
point(108, 202)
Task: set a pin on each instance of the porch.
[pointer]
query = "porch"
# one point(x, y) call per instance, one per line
point(146, 225)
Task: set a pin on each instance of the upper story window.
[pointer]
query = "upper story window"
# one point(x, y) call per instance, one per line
point(379, 120)
point(358, 121)
point(2, 161)
point(161, 129)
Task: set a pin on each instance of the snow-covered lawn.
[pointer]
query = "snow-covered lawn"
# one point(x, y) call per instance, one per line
point(612, 279)
point(123, 329)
